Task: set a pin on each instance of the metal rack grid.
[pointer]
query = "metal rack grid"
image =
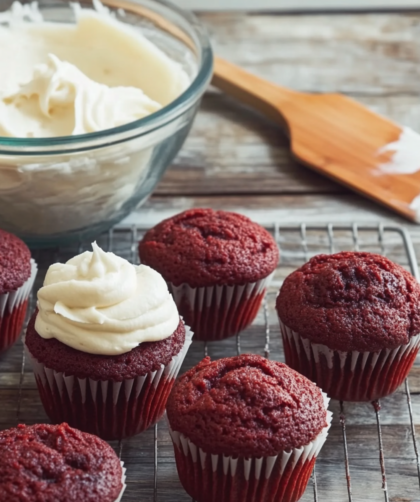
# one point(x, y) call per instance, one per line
point(353, 465)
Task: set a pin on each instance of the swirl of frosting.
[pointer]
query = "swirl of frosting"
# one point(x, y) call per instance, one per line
point(100, 303)
point(61, 99)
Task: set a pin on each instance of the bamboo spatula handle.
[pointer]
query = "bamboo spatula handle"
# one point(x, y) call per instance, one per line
point(264, 96)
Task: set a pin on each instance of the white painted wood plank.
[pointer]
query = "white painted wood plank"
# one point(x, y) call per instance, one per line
point(296, 5)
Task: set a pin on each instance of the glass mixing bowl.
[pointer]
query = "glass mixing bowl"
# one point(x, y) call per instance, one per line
point(54, 190)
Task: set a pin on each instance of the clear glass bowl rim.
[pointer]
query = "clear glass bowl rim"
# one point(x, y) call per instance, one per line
point(139, 127)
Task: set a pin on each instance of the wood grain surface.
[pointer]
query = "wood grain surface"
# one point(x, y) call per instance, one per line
point(296, 5)
point(373, 58)
point(330, 133)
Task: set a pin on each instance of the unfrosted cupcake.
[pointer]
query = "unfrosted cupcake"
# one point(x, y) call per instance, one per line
point(106, 344)
point(217, 265)
point(17, 276)
point(55, 463)
point(246, 429)
point(350, 322)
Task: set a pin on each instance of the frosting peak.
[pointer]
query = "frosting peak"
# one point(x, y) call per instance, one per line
point(100, 303)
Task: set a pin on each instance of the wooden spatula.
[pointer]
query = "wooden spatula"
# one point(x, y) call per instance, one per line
point(332, 134)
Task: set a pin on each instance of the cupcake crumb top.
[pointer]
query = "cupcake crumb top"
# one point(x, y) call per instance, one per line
point(203, 247)
point(351, 301)
point(55, 462)
point(15, 262)
point(246, 406)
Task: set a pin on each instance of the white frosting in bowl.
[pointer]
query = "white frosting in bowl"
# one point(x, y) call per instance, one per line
point(60, 100)
point(89, 70)
point(100, 303)
point(60, 79)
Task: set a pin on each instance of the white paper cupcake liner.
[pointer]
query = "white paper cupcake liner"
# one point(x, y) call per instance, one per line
point(254, 465)
point(79, 392)
point(256, 471)
point(9, 301)
point(228, 310)
point(123, 479)
point(352, 375)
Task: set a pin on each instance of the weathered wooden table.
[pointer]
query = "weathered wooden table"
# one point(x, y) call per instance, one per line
point(236, 160)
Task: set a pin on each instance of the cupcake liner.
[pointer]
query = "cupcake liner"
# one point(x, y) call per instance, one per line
point(218, 312)
point(349, 376)
point(220, 478)
point(13, 307)
point(123, 479)
point(108, 409)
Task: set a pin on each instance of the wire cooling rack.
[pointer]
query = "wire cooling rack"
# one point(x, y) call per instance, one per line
point(371, 453)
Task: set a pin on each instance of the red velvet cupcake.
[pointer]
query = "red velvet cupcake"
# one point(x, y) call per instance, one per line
point(106, 345)
point(217, 265)
point(350, 322)
point(55, 463)
point(246, 429)
point(17, 276)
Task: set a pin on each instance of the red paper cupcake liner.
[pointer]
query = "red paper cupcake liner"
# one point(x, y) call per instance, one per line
point(219, 478)
point(13, 307)
point(218, 312)
point(349, 376)
point(108, 409)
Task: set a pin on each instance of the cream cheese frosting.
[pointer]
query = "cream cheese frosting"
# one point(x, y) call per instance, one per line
point(100, 303)
point(61, 79)
point(60, 100)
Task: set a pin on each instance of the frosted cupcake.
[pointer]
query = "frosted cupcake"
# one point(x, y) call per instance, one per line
point(351, 323)
point(218, 266)
point(106, 344)
point(17, 275)
point(246, 429)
